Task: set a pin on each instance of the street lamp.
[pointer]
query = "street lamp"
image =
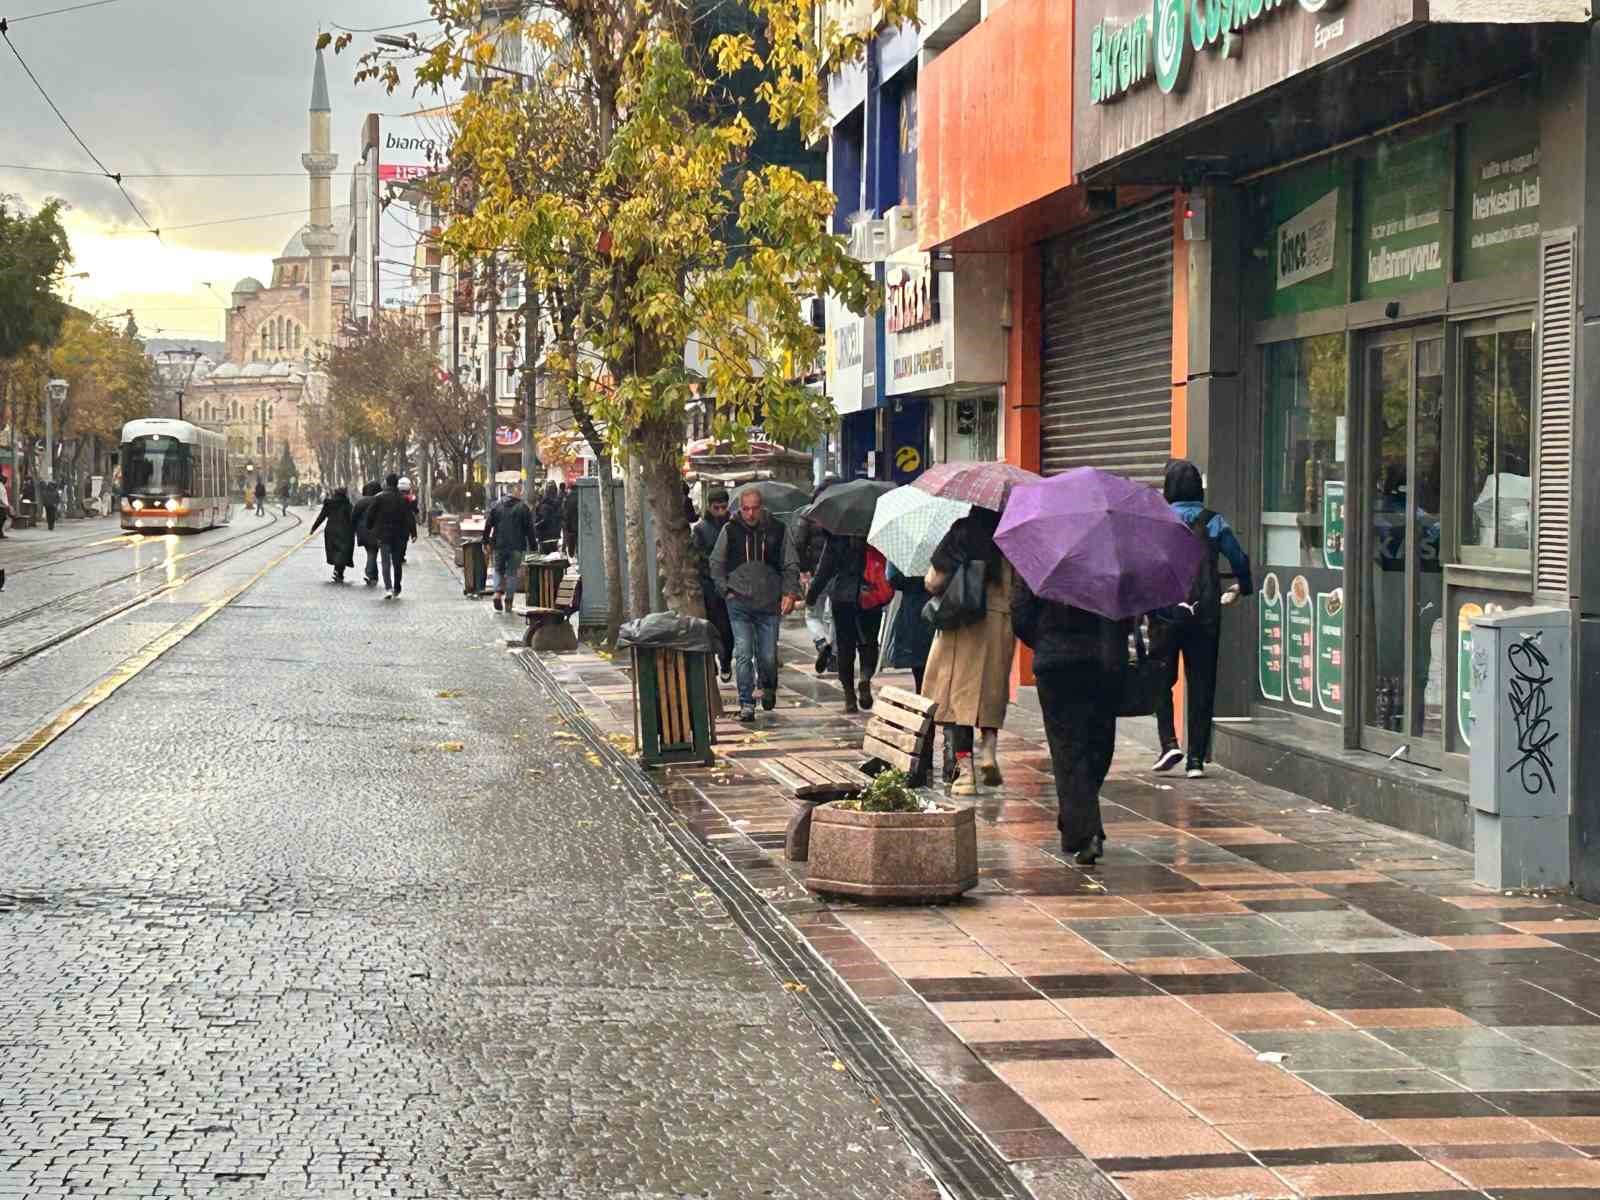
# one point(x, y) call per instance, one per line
point(180, 365)
point(395, 41)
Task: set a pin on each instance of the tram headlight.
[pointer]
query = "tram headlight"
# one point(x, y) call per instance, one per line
point(172, 504)
point(137, 504)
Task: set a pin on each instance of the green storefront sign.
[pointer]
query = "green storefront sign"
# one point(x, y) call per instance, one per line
point(1163, 43)
point(1499, 204)
point(1300, 664)
point(1330, 651)
point(1333, 524)
point(1269, 637)
point(1400, 219)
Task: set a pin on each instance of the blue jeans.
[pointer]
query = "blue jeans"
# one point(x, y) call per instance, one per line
point(507, 565)
point(755, 650)
point(372, 563)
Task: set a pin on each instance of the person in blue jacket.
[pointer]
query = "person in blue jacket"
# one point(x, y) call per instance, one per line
point(1194, 628)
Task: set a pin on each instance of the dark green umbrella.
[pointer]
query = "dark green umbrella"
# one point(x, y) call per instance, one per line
point(778, 498)
point(847, 508)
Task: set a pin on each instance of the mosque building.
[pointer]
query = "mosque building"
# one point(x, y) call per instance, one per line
point(260, 394)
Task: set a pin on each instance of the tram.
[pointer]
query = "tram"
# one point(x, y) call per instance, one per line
point(174, 476)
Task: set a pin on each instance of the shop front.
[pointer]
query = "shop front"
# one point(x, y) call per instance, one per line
point(1377, 360)
point(945, 354)
point(851, 386)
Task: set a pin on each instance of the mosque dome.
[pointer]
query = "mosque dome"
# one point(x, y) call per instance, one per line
point(226, 371)
point(254, 370)
point(248, 286)
point(280, 369)
point(296, 246)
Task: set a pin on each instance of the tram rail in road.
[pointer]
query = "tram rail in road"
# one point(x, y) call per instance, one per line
point(251, 537)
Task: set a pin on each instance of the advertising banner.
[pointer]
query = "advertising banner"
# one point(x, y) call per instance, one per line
point(1269, 637)
point(1400, 218)
point(1330, 651)
point(919, 326)
point(1333, 524)
point(1306, 242)
point(1300, 665)
point(1499, 218)
point(847, 356)
point(412, 147)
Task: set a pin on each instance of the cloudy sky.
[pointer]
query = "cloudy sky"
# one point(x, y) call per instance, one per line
point(164, 87)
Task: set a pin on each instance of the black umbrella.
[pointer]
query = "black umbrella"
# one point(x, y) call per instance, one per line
point(778, 498)
point(847, 508)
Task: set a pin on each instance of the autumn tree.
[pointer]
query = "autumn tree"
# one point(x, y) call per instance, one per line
point(34, 252)
point(378, 381)
point(673, 234)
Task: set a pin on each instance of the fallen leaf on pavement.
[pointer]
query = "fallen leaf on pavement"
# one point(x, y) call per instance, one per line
point(452, 747)
point(451, 694)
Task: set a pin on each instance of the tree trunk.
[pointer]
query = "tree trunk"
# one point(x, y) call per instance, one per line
point(638, 545)
point(610, 551)
point(660, 457)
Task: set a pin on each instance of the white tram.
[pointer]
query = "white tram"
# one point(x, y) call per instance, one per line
point(174, 476)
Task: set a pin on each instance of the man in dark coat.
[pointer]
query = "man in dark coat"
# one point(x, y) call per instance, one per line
point(509, 533)
point(261, 497)
point(839, 576)
point(52, 503)
point(364, 535)
point(393, 524)
point(569, 521)
point(339, 540)
point(705, 534)
point(547, 519)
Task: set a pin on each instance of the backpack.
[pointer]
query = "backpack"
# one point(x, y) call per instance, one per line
point(1205, 592)
point(876, 590)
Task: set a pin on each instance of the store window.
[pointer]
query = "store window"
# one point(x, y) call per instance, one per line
point(1496, 375)
point(1303, 447)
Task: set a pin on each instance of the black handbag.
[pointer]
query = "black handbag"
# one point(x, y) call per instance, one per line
point(964, 600)
point(1142, 677)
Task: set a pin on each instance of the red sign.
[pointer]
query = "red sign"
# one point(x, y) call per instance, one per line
point(507, 435)
point(911, 300)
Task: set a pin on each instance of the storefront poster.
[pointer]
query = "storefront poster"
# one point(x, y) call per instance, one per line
point(1499, 217)
point(1330, 651)
point(1300, 231)
point(1306, 241)
point(1300, 666)
point(1269, 637)
point(919, 326)
point(847, 353)
point(1401, 218)
point(1333, 524)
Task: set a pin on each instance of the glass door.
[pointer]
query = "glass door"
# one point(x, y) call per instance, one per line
point(1403, 668)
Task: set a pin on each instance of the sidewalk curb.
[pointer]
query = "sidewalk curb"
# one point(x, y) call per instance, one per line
point(956, 1152)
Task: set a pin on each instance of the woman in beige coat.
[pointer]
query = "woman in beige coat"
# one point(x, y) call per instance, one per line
point(969, 668)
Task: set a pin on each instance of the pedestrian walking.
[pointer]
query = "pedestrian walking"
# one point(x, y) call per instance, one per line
point(509, 533)
point(547, 520)
point(394, 524)
point(51, 494)
point(1078, 664)
point(857, 602)
point(705, 533)
point(339, 539)
point(569, 521)
point(5, 507)
point(1193, 629)
point(261, 497)
point(757, 573)
point(365, 537)
point(911, 638)
point(283, 496)
point(810, 540)
point(969, 667)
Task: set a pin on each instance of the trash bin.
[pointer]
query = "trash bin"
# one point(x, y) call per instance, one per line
point(474, 568)
point(672, 659)
point(1520, 782)
point(541, 578)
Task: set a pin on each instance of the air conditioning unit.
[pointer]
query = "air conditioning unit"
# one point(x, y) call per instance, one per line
point(869, 240)
point(902, 222)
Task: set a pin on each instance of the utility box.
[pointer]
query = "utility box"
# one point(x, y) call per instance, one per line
point(592, 562)
point(1521, 748)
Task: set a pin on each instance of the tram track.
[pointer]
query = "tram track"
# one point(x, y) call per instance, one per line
point(57, 637)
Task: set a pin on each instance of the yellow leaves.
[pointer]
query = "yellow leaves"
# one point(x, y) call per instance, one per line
point(792, 986)
point(732, 51)
point(451, 694)
point(452, 747)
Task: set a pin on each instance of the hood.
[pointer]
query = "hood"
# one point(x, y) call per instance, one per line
point(372, 488)
point(1183, 482)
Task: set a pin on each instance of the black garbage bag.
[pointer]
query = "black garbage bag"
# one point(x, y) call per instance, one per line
point(669, 631)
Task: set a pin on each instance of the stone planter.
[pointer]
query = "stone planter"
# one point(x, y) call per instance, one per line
point(892, 856)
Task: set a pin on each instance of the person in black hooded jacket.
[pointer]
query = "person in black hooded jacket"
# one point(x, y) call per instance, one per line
point(1078, 661)
point(339, 540)
point(839, 576)
point(364, 535)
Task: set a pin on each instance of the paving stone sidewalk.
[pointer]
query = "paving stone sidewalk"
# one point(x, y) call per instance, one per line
point(1251, 995)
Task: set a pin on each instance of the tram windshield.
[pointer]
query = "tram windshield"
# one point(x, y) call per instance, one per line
point(155, 464)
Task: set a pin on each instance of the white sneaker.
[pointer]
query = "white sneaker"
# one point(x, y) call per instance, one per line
point(388, 595)
point(1167, 759)
point(1196, 770)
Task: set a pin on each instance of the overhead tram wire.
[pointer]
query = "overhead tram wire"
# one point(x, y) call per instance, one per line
point(5, 32)
point(55, 12)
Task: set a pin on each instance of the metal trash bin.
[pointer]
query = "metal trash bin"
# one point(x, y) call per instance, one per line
point(1520, 783)
point(541, 578)
point(474, 568)
point(672, 664)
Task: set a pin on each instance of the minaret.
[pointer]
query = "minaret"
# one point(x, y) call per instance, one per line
point(319, 240)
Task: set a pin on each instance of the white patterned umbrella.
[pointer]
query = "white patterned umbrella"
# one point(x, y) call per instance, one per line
point(909, 525)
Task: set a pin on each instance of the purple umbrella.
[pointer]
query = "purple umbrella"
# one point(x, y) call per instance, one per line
point(1099, 542)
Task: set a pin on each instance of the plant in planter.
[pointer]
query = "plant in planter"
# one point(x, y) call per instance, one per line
point(887, 843)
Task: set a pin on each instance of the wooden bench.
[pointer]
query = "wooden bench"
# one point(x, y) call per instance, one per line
point(550, 626)
point(899, 734)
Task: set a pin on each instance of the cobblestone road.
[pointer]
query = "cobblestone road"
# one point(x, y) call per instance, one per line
point(326, 903)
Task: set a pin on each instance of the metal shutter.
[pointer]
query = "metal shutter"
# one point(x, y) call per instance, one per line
point(1558, 261)
point(1106, 369)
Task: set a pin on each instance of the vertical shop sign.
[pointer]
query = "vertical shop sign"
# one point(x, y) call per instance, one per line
point(1300, 666)
point(1269, 637)
point(1333, 524)
point(1464, 670)
point(1330, 651)
point(1306, 241)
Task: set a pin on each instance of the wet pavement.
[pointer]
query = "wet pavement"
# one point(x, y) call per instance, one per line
point(328, 901)
point(1251, 995)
